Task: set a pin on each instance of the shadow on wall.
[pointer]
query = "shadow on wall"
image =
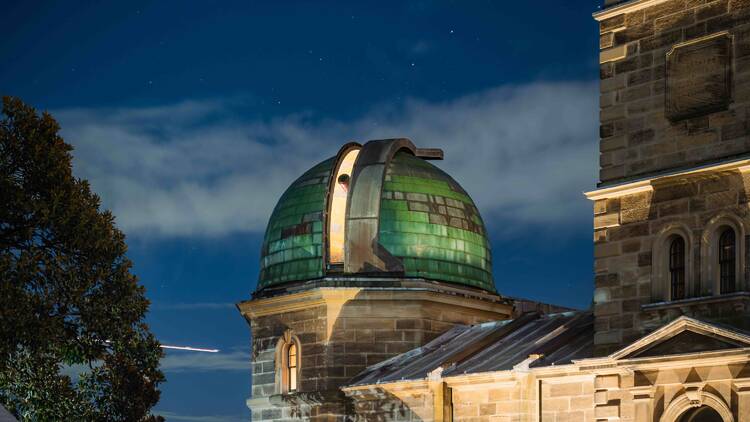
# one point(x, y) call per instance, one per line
point(401, 404)
point(664, 245)
point(340, 332)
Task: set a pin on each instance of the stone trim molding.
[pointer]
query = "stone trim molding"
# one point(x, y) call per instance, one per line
point(741, 386)
point(645, 184)
point(696, 398)
point(325, 295)
point(627, 7)
point(334, 299)
point(741, 296)
point(620, 190)
point(613, 54)
point(677, 326)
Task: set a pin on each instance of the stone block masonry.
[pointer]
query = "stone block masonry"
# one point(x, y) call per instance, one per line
point(637, 136)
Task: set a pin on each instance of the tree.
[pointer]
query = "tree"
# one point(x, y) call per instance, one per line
point(68, 299)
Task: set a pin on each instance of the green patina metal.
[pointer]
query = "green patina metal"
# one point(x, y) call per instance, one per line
point(432, 225)
point(293, 245)
point(426, 220)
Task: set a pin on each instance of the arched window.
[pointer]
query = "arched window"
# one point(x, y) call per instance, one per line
point(288, 359)
point(291, 367)
point(710, 408)
point(727, 258)
point(722, 256)
point(677, 267)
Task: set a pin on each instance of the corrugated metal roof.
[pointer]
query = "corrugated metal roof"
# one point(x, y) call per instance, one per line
point(492, 346)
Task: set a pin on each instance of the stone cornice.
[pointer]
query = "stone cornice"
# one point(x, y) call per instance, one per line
point(646, 184)
point(696, 301)
point(295, 301)
point(333, 299)
point(326, 295)
point(377, 283)
point(627, 7)
point(620, 190)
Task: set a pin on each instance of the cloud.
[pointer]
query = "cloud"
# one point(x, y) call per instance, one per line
point(524, 152)
point(179, 361)
point(171, 416)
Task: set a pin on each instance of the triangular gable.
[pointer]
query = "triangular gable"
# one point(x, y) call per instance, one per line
point(684, 335)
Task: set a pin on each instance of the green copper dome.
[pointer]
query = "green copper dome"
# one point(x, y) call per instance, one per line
point(403, 217)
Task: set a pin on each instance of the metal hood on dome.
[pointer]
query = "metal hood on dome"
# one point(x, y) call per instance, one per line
point(364, 254)
point(403, 217)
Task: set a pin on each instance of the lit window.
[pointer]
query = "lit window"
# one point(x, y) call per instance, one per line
point(677, 267)
point(727, 260)
point(337, 215)
point(291, 367)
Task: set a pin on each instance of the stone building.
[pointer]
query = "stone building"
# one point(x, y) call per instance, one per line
point(376, 299)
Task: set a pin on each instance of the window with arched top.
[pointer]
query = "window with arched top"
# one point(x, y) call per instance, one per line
point(677, 268)
point(288, 359)
point(291, 367)
point(697, 406)
point(727, 260)
point(722, 259)
point(673, 263)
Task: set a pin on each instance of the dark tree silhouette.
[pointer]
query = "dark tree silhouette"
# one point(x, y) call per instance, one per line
point(68, 301)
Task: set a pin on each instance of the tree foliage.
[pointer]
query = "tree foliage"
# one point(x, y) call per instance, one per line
point(68, 300)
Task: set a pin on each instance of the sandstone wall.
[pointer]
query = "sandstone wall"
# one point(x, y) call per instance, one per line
point(638, 394)
point(630, 255)
point(363, 331)
point(636, 136)
point(645, 136)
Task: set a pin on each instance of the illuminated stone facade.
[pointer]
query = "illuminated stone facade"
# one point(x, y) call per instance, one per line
point(665, 176)
point(409, 327)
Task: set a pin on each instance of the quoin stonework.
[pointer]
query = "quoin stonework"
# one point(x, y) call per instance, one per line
point(376, 300)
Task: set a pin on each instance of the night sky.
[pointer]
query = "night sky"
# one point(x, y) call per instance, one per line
point(190, 119)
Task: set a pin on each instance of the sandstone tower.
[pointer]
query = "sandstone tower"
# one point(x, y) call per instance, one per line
point(367, 255)
point(671, 209)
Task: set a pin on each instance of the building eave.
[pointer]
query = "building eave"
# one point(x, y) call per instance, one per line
point(627, 7)
point(646, 184)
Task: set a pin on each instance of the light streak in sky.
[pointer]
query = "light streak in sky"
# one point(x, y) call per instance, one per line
point(188, 348)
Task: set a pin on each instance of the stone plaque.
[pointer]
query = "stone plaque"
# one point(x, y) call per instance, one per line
point(699, 76)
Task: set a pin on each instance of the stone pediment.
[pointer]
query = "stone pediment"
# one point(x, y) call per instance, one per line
point(684, 336)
